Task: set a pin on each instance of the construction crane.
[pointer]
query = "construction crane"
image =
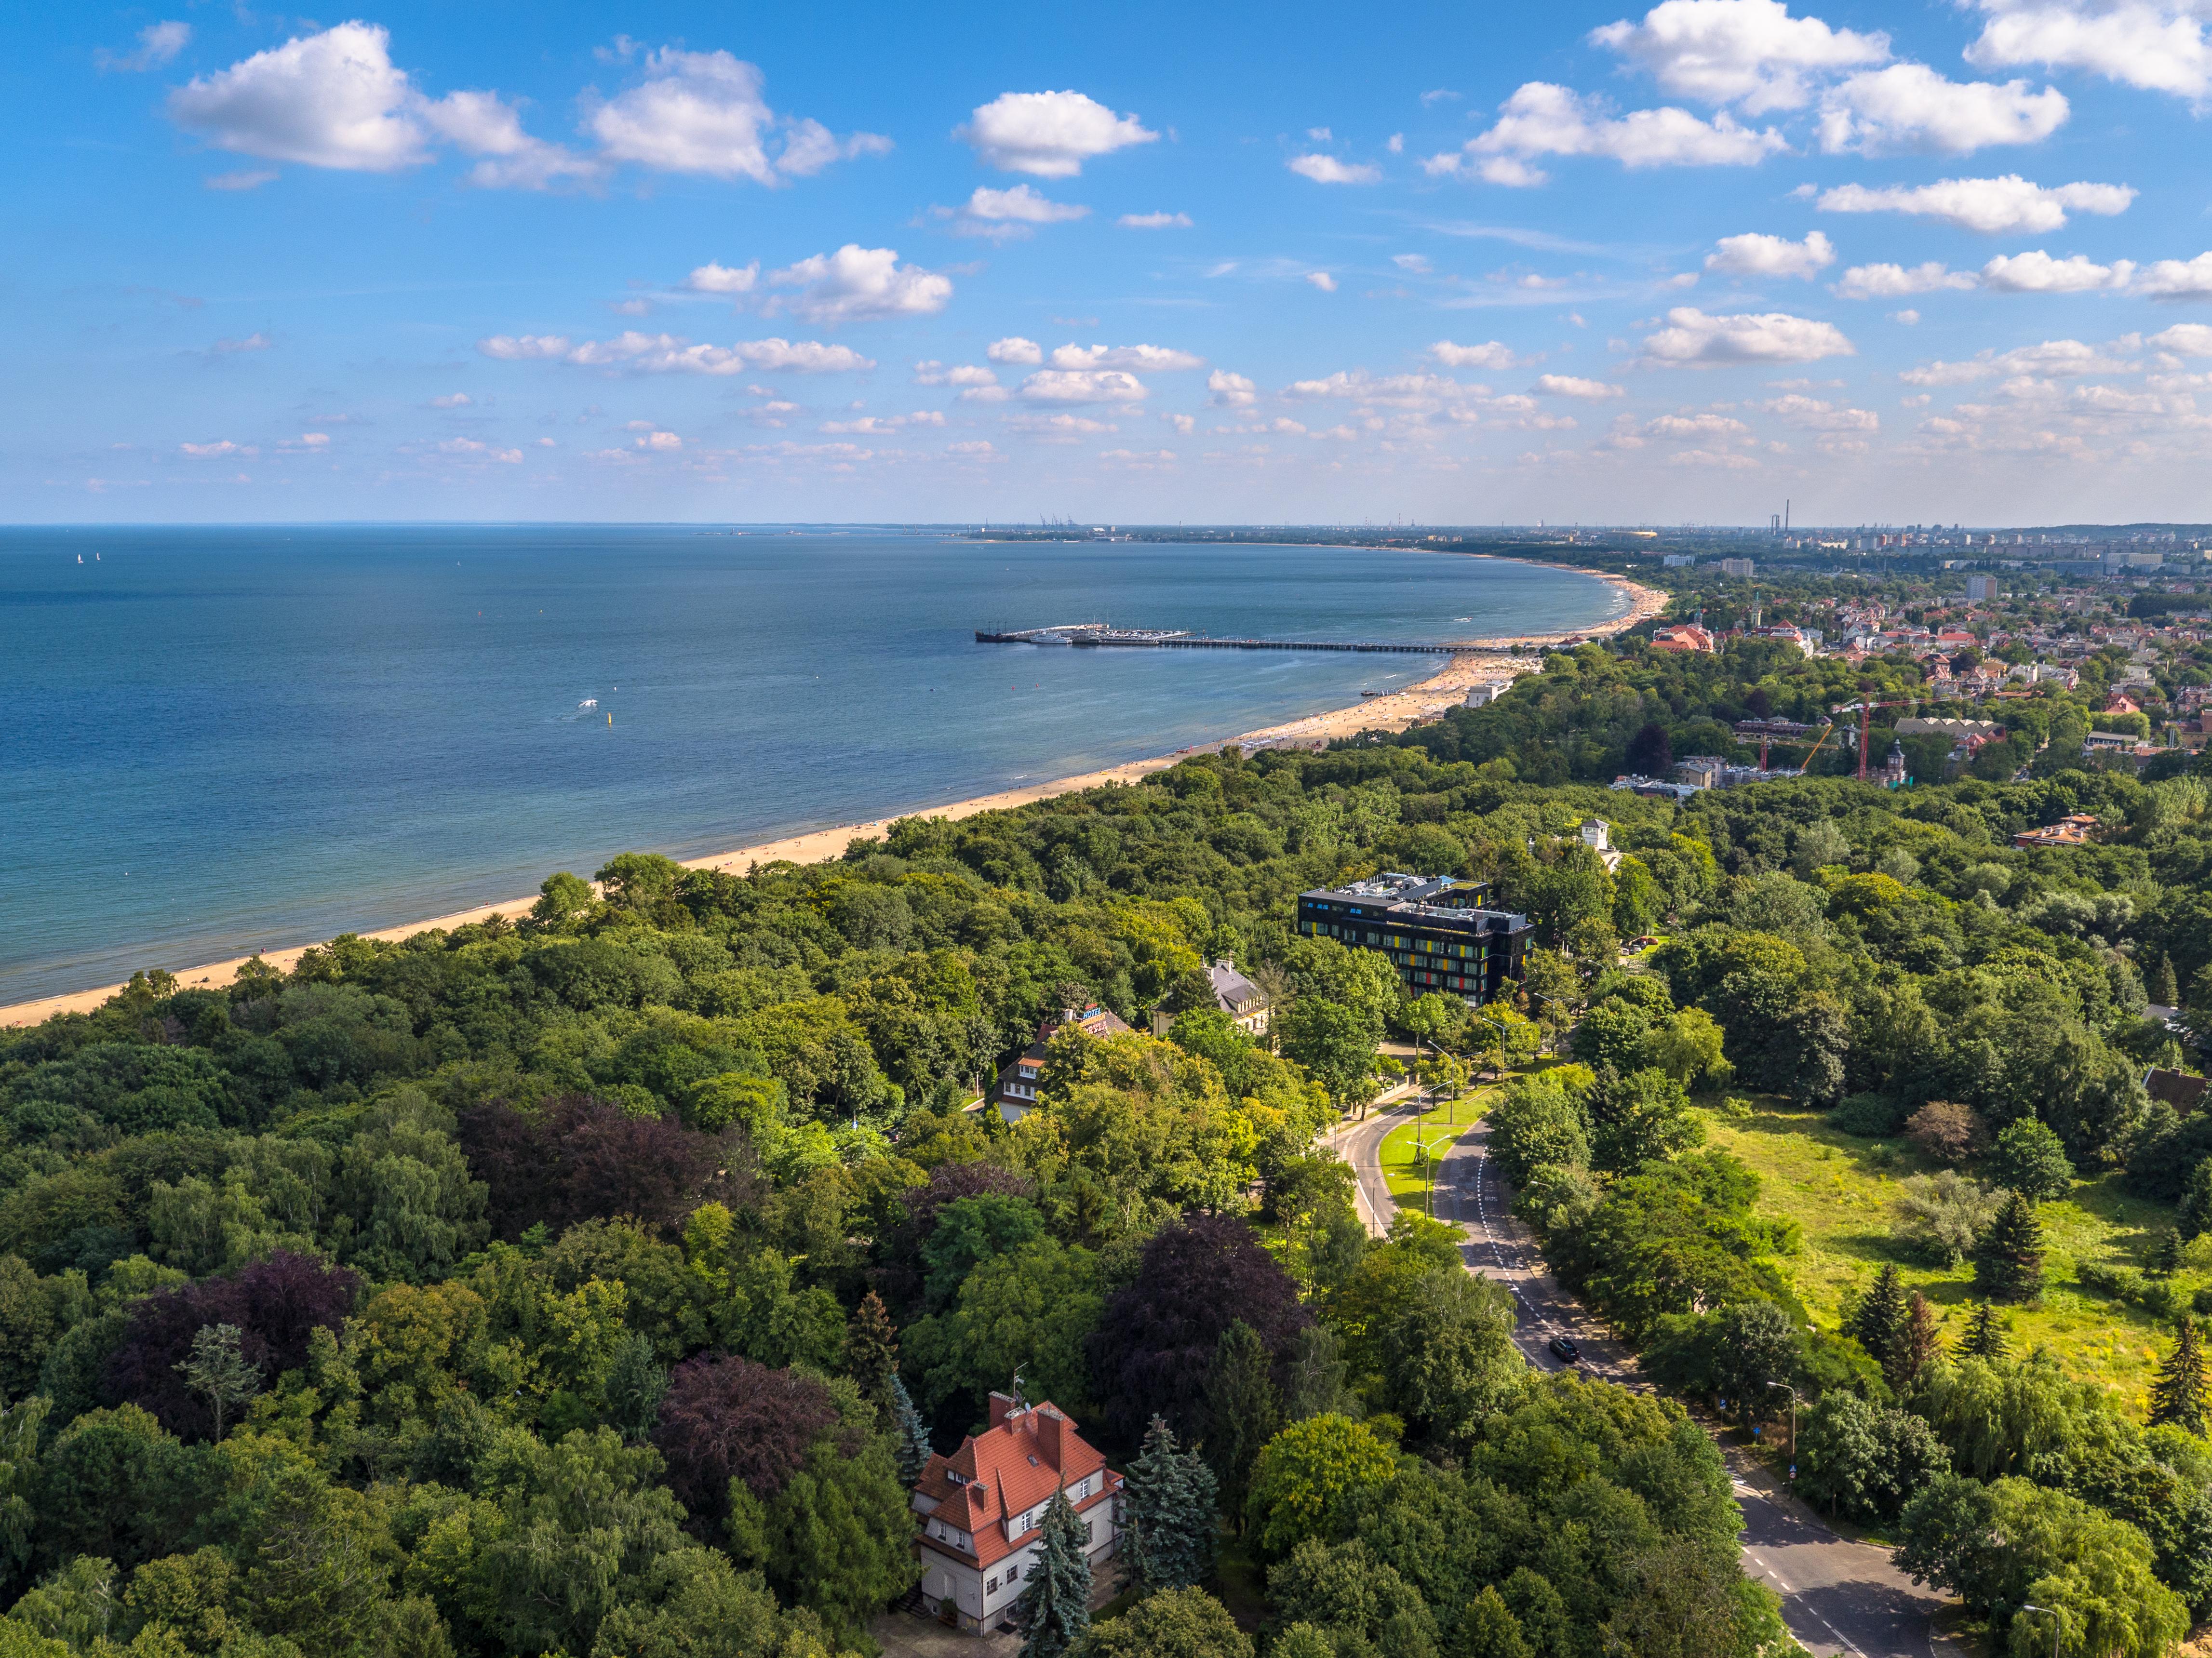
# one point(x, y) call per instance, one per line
point(1864, 707)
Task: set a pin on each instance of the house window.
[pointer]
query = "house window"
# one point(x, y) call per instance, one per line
point(992, 1586)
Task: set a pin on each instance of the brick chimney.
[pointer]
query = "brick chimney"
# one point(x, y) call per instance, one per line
point(1002, 1407)
point(1048, 1423)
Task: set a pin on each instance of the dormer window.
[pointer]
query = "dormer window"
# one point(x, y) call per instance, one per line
point(955, 1476)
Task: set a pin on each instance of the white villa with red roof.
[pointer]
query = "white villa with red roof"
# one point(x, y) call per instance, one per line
point(982, 1507)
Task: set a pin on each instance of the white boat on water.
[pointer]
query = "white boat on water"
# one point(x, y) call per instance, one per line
point(589, 702)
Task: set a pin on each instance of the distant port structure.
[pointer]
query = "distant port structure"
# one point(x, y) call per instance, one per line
point(1094, 635)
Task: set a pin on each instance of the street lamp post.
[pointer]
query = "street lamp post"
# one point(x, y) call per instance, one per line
point(1793, 1426)
point(2058, 1627)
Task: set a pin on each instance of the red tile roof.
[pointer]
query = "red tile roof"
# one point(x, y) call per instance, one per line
point(1030, 1452)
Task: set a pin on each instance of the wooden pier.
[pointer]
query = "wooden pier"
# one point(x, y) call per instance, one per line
point(1093, 637)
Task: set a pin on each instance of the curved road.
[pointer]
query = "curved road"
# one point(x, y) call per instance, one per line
point(1838, 1596)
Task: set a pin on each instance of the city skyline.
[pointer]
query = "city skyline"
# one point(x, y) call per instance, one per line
point(1614, 265)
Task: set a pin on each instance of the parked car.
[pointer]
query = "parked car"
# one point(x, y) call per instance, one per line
point(1564, 1349)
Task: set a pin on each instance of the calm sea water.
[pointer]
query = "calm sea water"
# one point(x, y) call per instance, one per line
point(224, 739)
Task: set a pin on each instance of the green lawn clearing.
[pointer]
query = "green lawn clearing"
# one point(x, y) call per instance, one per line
point(1841, 1190)
point(1436, 1128)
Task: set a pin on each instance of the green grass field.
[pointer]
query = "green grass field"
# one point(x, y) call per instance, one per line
point(1841, 1190)
point(1399, 1155)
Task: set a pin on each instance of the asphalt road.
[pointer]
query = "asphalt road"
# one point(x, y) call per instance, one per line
point(1838, 1596)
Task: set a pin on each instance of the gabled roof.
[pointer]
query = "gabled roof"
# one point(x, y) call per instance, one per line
point(1030, 1452)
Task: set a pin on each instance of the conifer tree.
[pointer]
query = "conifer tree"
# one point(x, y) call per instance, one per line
point(909, 1439)
point(2165, 987)
point(2166, 1255)
point(2008, 1258)
point(871, 1350)
point(2177, 1396)
point(1918, 1344)
point(1056, 1598)
point(2194, 1217)
point(635, 1384)
point(1243, 1409)
point(1169, 1503)
point(1880, 1322)
point(1985, 1336)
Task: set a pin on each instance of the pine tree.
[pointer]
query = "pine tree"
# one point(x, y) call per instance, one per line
point(2195, 1217)
point(871, 1350)
point(2166, 1255)
point(909, 1439)
point(1880, 1322)
point(1169, 1505)
point(1918, 1344)
point(1243, 1411)
point(1056, 1598)
point(219, 1371)
point(2008, 1257)
point(635, 1382)
point(2179, 1395)
point(2165, 987)
point(1985, 1336)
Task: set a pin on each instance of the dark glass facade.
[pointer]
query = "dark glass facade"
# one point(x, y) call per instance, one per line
point(1435, 929)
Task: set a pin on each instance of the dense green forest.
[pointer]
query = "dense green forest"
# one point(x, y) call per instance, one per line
point(594, 1283)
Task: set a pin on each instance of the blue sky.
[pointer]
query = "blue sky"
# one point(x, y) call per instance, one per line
point(1127, 262)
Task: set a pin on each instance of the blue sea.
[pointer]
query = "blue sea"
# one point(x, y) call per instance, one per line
point(222, 739)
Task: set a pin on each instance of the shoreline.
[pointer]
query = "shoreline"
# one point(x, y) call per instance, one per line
point(1477, 661)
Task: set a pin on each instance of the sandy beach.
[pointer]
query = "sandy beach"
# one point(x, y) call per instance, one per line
point(1482, 661)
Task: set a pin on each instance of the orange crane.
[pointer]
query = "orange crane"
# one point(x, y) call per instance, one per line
point(1864, 707)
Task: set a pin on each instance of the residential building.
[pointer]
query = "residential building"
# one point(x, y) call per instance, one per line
point(1742, 567)
point(982, 1507)
point(1016, 1093)
point(2072, 830)
point(1598, 835)
point(1487, 692)
point(1244, 1002)
point(1685, 636)
point(1437, 931)
point(1981, 588)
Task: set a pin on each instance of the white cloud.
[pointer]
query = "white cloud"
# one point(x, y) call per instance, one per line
point(1417, 264)
point(1154, 221)
point(1149, 358)
point(855, 283)
point(1694, 426)
point(158, 43)
point(2185, 339)
point(1993, 206)
point(244, 178)
point(480, 124)
point(216, 451)
point(1749, 53)
point(1139, 458)
point(2159, 47)
point(657, 353)
point(1573, 386)
point(704, 112)
point(1015, 350)
point(883, 425)
point(1058, 428)
point(1889, 282)
point(1230, 391)
point(1723, 459)
point(2052, 359)
point(1397, 143)
point(1815, 414)
point(2177, 279)
point(1048, 135)
point(1693, 339)
point(1183, 424)
point(1328, 170)
point(1543, 120)
point(254, 342)
point(936, 374)
point(336, 100)
point(1322, 280)
point(1491, 353)
point(2037, 272)
point(1909, 108)
point(712, 278)
point(453, 400)
point(1007, 215)
point(1082, 385)
point(332, 99)
point(978, 449)
point(475, 450)
point(1908, 317)
point(1400, 391)
point(1757, 255)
